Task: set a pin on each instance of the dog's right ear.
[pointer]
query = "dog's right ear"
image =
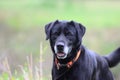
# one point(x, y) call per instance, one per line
point(48, 28)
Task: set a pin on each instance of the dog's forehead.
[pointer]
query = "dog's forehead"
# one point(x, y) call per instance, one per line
point(60, 25)
point(63, 24)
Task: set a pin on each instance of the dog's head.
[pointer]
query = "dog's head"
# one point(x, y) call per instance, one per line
point(64, 37)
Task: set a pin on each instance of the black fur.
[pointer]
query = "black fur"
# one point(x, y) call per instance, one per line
point(113, 58)
point(89, 66)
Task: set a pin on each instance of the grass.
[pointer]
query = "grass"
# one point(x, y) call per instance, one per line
point(26, 72)
point(28, 17)
point(37, 13)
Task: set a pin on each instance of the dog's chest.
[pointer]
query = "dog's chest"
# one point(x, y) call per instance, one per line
point(63, 74)
point(71, 74)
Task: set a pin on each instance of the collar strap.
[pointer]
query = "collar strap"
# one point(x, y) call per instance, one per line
point(70, 63)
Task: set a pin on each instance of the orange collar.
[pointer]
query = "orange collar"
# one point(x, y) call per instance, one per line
point(70, 63)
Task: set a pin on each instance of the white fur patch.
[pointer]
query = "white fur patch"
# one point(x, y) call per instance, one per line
point(66, 51)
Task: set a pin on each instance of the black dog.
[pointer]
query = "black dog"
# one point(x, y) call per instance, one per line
point(71, 60)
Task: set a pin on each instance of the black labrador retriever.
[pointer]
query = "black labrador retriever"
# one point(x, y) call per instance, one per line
point(71, 60)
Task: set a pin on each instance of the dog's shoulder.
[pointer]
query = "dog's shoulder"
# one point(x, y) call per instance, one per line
point(89, 57)
point(89, 53)
point(96, 60)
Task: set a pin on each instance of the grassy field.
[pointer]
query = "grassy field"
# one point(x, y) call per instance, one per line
point(22, 30)
point(37, 13)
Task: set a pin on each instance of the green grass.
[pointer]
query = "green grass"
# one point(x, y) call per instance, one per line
point(28, 71)
point(38, 13)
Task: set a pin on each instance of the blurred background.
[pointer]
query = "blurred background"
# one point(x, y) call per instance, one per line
point(22, 29)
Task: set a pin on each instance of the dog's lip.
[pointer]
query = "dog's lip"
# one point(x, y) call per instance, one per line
point(61, 54)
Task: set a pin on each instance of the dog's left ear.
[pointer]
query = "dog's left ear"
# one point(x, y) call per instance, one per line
point(48, 28)
point(79, 27)
point(80, 30)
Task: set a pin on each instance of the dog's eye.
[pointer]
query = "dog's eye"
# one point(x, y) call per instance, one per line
point(67, 33)
point(56, 33)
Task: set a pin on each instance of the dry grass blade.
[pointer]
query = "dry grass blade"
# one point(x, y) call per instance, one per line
point(30, 66)
point(25, 75)
point(6, 65)
point(41, 51)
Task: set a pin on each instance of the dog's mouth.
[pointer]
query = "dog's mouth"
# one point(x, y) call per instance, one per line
point(60, 54)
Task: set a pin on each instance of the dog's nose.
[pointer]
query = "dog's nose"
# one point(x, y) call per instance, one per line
point(60, 46)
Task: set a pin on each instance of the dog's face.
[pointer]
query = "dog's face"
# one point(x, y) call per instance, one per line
point(64, 37)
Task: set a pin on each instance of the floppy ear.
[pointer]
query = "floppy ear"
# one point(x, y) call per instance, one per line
point(83, 29)
point(79, 27)
point(48, 28)
point(80, 30)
